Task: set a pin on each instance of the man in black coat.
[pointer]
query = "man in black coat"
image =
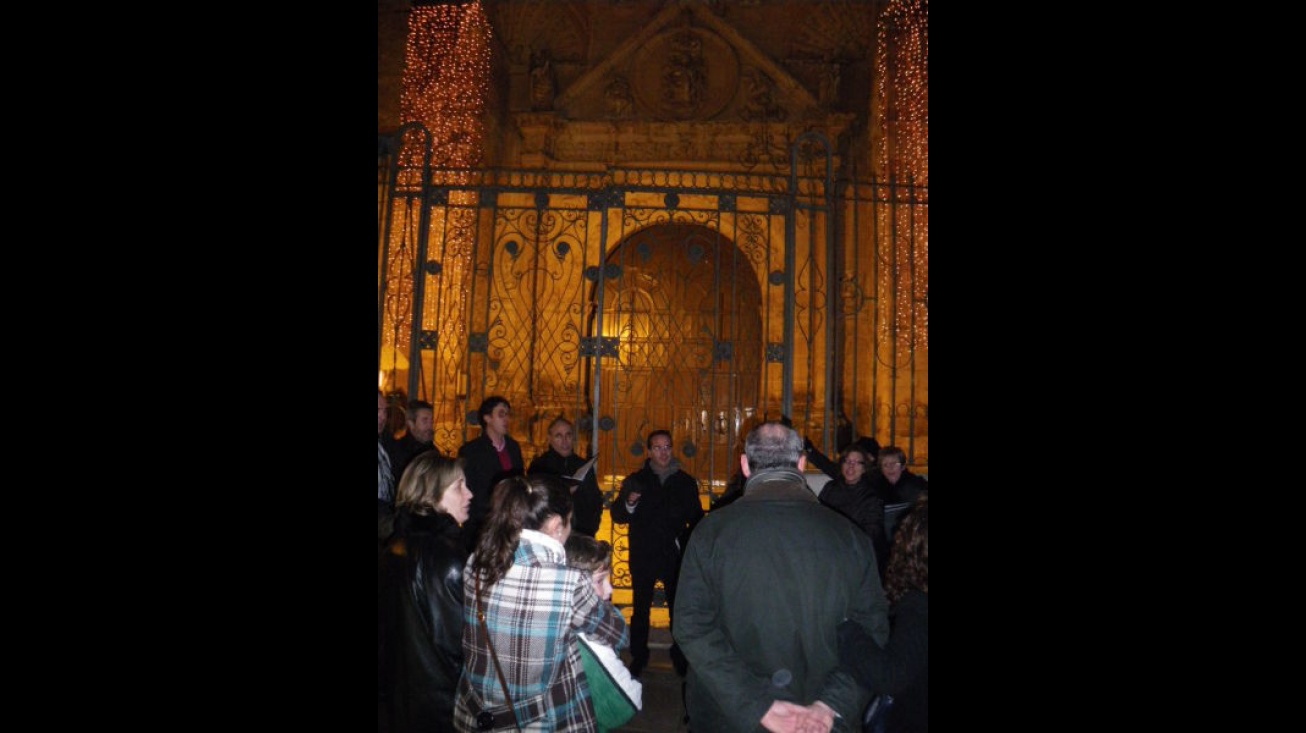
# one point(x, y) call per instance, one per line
point(660, 503)
point(418, 438)
point(488, 459)
point(561, 460)
point(765, 583)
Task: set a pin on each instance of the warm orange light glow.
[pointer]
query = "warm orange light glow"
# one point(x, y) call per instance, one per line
point(446, 80)
point(445, 87)
point(901, 102)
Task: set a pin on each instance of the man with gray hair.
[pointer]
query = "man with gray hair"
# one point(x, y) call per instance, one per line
point(764, 584)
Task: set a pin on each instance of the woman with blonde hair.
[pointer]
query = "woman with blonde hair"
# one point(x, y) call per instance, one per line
point(421, 611)
point(524, 610)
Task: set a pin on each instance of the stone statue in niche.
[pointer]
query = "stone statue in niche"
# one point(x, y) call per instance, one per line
point(618, 97)
point(542, 80)
point(829, 90)
point(684, 76)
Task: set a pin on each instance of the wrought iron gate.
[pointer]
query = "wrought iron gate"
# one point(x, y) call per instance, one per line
point(633, 300)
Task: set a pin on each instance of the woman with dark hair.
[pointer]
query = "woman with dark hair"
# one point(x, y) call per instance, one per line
point(524, 610)
point(421, 612)
point(899, 669)
point(851, 493)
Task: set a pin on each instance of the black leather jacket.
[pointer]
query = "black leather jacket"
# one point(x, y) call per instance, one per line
point(422, 616)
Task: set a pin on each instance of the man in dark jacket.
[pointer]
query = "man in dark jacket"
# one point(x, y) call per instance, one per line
point(561, 460)
point(660, 503)
point(764, 585)
point(488, 459)
point(418, 437)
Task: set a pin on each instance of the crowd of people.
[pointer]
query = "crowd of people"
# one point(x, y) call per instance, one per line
point(791, 609)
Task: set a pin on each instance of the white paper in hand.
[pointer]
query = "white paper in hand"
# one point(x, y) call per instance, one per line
point(581, 472)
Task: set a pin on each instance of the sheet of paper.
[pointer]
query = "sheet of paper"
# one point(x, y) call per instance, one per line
point(580, 472)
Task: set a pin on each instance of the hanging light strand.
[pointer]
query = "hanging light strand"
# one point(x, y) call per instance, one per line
point(446, 81)
point(445, 88)
point(902, 110)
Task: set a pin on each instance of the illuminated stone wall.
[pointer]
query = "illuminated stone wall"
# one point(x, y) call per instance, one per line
point(770, 71)
point(606, 127)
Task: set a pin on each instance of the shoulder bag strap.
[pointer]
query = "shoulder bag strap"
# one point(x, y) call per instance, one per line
point(480, 616)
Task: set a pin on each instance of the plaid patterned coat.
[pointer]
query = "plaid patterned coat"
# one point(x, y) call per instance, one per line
point(533, 613)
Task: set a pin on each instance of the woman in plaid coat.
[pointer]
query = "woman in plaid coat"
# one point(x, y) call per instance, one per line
point(534, 606)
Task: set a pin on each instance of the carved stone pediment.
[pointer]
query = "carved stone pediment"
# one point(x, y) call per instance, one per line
point(686, 64)
point(687, 88)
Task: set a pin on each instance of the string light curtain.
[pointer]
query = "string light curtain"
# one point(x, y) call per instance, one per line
point(446, 80)
point(446, 84)
point(901, 108)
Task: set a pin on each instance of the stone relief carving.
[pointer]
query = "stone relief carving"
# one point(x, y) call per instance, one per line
point(618, 97)
point(685, 93)
point(684, 74)
point(843, 30)
point(765, 148)
point(759, 98)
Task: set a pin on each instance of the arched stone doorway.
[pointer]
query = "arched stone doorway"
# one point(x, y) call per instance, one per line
point(682, 314)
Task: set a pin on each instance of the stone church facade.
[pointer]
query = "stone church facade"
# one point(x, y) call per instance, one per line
point(680, 216)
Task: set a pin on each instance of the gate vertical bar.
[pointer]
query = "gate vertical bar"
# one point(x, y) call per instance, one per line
point(791, 234)
point(852, 350)
point(825, 208)
point(541, 202)
point(395, 148)
point(473, 402)
point(419, 280)
point(831, 295)
point(607, 196)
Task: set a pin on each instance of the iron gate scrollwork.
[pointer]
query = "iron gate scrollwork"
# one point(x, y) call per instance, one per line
point(635, 300)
